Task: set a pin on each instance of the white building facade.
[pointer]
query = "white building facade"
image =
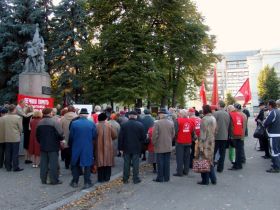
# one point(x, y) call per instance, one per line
point(256, 63)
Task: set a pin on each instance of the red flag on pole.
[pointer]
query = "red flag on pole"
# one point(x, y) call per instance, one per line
point(203, 93)
point(246, 91)
point(215, 97)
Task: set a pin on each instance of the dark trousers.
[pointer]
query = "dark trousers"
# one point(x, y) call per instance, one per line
point(104, 174)
point(128, 159)
point(2, 154)
point(275, 152)
point(209, 175)
point(11, 155)
point(66, 156)
point(163, 163)
point(76, 172)
point(220, 145)
point(266, 146)
point(262, 142)
point(49, 164)
point(183, 158)
point(243, 156)
point(192, 153)
point(238, 153)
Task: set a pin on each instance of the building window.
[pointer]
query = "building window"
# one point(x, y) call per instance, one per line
point(236, 64)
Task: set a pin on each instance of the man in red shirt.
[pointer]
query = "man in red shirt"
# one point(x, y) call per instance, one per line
point(185, 131)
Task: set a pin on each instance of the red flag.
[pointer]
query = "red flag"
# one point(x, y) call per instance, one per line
point(215, 97)
point(203, 93)
point(246, 91)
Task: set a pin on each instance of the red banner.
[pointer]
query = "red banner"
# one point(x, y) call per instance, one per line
point(38, 103)
point(215, 96)
point(246, 92)
point(203, 93)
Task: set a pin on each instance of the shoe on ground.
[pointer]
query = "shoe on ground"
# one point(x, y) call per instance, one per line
point(28, 161)
point(266, 157)
point(56, 183)
point(214, 183)
point(234, 169)
point(220, 170)
point(202, 183)
point(73, 184)
point(137, 181)
point(177, 175)
point(156, 180)
point(273, 170)
point(18, 169)
point(86, 186)
point(125, 181)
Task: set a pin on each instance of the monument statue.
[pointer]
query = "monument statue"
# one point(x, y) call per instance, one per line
point(35, 61)
point(34, 80)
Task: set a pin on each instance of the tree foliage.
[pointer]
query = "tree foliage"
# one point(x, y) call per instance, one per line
point(17, 26)
point(69, 36)
point(110, 51)
point(268, 84)
point(229, 100)
point(146, 49)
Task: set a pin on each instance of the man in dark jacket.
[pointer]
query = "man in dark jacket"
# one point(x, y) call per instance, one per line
point(49, 134)
point(259, 119)
point(272, 124)
point(131, 137)
point(148, 122)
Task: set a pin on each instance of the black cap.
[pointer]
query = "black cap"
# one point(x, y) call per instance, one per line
point(102, 117)
point(84, 111)
point(261, 104)
point(132, 113)
point(3, 110)
point(237, 106)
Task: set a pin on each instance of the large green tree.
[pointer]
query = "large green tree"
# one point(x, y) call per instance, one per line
point(268, 84)
point(17, 26)
point(68, 37)
point(119, 67)
point(146, 49)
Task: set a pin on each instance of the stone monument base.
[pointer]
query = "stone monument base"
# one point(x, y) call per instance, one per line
point(32, 83)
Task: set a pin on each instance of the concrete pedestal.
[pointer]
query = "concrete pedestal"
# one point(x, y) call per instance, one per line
point(31, 83)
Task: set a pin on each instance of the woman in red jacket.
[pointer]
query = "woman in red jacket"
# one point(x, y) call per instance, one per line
point(34, 146)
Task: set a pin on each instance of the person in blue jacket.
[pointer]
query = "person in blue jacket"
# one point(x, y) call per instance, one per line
point(272, 125)
point(81, 137)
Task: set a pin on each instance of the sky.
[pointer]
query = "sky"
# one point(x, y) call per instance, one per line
point(242, 24)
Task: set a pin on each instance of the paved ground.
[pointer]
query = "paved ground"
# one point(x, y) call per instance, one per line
point(248, 189)
point(23, 190)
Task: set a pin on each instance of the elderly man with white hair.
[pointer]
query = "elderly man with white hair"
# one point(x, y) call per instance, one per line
point(185, 135)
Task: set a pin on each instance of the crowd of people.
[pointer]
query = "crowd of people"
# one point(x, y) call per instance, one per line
point(89, 142)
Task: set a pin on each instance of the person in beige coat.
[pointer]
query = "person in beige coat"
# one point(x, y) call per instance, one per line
point(12, 132)
point(3, 112)
point(65, 123)
point(163, 134)
point(104, 148)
